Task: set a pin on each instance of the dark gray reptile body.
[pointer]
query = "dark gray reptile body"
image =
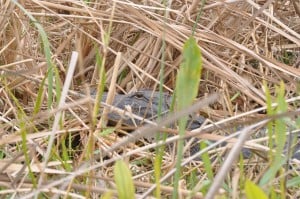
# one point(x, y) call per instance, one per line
point(142, 103)
point(145, 103)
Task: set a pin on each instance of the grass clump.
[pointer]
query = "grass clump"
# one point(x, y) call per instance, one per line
point(55, 139)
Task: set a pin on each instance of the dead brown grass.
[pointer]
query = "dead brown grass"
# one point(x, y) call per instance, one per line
point(243, 44)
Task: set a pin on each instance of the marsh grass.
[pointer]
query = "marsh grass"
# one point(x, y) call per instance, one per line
point(250, 55)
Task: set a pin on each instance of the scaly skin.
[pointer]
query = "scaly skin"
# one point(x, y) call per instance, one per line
point(145, 103)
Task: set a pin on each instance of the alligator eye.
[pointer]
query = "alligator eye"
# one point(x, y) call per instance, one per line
point(139, 95)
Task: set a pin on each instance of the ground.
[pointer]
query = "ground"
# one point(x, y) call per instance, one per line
point(250, 54)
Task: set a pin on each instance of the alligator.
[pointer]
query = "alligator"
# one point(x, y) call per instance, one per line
point(145, 103)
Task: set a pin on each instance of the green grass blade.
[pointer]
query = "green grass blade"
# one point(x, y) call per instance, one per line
point(198, 16)
point(253, 191)
point(271, 172)
point(47, 51)
point(280, 137)
point(58, 86)
point(66, 150)
point(123, 179)
point(107, 195)
point(23, 121)
point(23, 132)
point(280, 127)
point(270, 112)
point(100, 64)
point(187, 84)
point(206, 162)
point(189, 74)
point(293, 182)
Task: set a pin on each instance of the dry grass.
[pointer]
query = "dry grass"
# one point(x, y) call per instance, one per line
point(243, 43)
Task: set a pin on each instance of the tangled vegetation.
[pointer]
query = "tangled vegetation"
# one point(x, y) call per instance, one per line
point(55, 136)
